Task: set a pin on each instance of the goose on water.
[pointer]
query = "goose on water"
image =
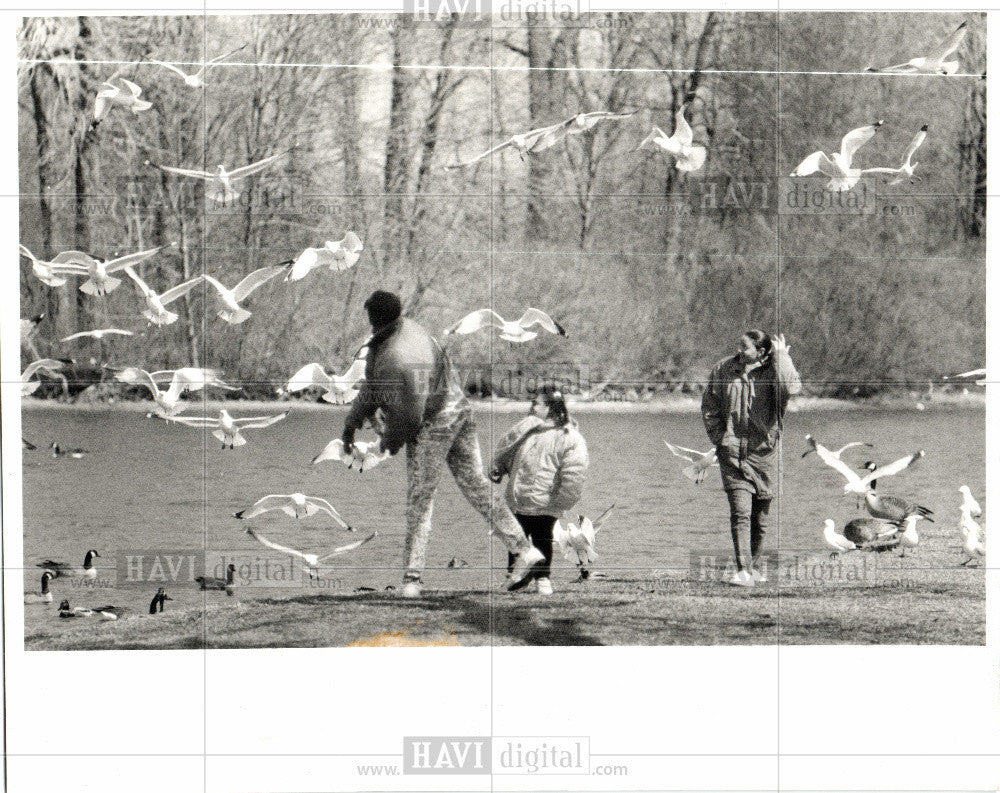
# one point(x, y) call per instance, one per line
point(934, 63)
point(537, 140)
point(296, 505)
point(313, 561)
point(516, 331)
point(59, 451)
point(701, 461)
point(66, 570)
point(680, 145)
point(337, 389)
point(227, 429)
point(338, 255)
point(838, 166)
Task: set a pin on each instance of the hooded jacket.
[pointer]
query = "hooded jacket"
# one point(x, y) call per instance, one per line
point(546, 463)
point(409, 378)
point(743, 411)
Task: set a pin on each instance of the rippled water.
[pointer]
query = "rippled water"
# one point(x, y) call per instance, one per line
point(151, 485)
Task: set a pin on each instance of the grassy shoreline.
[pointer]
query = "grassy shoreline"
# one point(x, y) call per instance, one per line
point(659, 404)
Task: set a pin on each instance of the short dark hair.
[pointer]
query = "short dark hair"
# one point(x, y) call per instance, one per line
point(760, 339)
point(383, 308)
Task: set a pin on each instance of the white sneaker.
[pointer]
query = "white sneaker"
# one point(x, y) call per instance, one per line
point(742, 578)
point(544, 586)
point(412, 589)
point(520, 575)
point(759, 577)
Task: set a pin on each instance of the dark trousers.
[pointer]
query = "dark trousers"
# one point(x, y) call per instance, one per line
point(748, 522)
point(539, 531)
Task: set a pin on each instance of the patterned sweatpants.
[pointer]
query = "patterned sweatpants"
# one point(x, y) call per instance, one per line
point(451, 439)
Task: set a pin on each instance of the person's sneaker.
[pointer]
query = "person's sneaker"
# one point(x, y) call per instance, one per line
point(412, 589)
point(742, 578)
point(759, 577)
point(544, 586)
point(522, 573)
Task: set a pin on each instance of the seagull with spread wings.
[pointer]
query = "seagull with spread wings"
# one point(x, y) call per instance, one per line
point(543, 138)
point(168, 403)
point(934, 63)
point(99, 281)
point(337, 389)
point(312, 560)
point(97, 334)
point(680, 145)
point(219, 186)
point(338, 255)
point(906, 168)
point(815, 446)
point(227, 301)
point(862, 485)
point(701, 461)
point(197, 80)
point(227, 429)
point(516, 331)
point(296, 505)
point(363, 454)
point(46, 366)
point(156, 311)
point(838, 166)
point(125, 95)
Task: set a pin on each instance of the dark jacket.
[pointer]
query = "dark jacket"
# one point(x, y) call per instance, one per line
point(408, 377)
point(743, 414)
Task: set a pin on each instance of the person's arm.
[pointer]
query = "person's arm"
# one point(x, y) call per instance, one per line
point(572, 473)
point(789, 382)
point(713, 408)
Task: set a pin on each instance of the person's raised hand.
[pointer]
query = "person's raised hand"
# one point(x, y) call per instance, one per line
point(778, 343)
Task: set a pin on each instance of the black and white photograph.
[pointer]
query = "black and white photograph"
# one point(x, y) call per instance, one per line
point(528, 328)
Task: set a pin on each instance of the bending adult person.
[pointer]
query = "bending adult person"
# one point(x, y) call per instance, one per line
point(410, 382)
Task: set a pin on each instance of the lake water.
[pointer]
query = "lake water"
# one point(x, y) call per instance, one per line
point(156, 486)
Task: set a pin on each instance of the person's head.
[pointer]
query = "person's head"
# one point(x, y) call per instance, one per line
point(754, 345)
point(550, 397)
point(383, 308)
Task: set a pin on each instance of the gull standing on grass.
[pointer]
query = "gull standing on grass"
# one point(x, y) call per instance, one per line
point(909, 537)
point(364, 454)
point(156, 311)
point(906, 168)
point(679, 145)
point(312, 560)
point(197, 80)
point(296, 505)
point(227, 429)
point(578, 542)
point(934, 63)
point(969, 502)
point(337, 389)
point(186, 379)
point(972, 537)
point(516, 331)
point(46, 366)
point(227, 301)
point(838, 166)
point(838, 542)
point(219, 185)
point(338, 255)
point(702, 461)
point(546, 137)
point(126, 95)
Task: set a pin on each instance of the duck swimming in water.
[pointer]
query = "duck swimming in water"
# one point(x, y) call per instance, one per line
point(59, 451)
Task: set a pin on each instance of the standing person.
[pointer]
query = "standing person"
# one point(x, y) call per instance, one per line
point(546, 459)
point(742, 407)
point(409, 379)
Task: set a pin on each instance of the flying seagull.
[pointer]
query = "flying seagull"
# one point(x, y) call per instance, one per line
point(838, 166)
point(680, 145)
point(197, 80)
point(338, 255)
point(220, 184)
point(934, 63)
point(906, 168)
point(516, 331)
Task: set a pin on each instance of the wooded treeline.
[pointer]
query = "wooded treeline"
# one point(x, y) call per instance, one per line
point(653, 272)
